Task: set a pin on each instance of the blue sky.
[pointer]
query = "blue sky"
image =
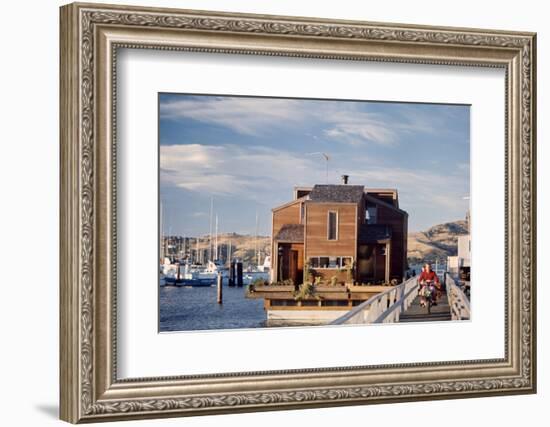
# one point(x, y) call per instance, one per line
point(247, 154)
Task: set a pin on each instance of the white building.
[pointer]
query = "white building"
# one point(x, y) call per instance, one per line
point(464, 248)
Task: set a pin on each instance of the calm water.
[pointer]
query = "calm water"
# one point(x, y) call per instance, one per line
point(189, 309)
point(192, 309)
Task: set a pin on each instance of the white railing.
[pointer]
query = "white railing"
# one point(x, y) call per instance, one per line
point(385, 307)
point(458, 302)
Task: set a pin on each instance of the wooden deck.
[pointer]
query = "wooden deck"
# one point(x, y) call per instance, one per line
point(416, 313)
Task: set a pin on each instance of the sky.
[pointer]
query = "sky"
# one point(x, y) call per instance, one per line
point(246, 154)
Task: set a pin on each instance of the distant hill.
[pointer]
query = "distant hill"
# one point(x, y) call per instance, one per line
point(244, 246)
point(438, 241)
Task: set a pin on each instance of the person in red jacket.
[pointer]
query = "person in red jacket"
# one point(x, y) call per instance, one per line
point(428, 276)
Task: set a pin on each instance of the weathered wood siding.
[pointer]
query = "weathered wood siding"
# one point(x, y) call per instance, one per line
point(287, 215)
point(350, 216)
point(316, 224)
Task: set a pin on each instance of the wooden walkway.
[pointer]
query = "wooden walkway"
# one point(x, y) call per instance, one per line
point(416, 313)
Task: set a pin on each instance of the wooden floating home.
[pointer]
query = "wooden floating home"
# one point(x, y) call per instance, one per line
point(345, 242)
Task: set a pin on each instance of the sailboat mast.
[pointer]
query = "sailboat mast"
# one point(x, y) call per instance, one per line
point(183, 248)
point(229, 254)
point(169, 242)
point(216, 239)
point(161, 240)
point(196, 260)
point(256, 242)
point(210, 234)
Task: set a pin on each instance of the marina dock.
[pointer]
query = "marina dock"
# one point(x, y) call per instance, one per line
point(320, 304)
point(416, 313)
point(402, 304)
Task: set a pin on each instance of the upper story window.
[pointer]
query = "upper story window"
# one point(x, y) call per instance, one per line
point(371, 215)
point(332, 229)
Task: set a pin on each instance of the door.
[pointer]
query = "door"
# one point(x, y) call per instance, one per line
point(293, 265)
point(366, 263)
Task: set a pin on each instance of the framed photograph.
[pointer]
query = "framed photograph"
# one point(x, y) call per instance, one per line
point(267, 212)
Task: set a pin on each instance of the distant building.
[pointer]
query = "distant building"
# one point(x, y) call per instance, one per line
point(343, 231)
point(460, 263)
point(464, 248)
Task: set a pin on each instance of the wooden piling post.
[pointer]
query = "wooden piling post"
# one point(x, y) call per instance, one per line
point(232, 273)
point(239, 273)
point(220, 288)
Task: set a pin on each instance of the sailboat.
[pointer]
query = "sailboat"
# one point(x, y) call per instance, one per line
point(259, 270)
point(190, 277)
point(162, 269)
point(214, 264)
point(194, 274)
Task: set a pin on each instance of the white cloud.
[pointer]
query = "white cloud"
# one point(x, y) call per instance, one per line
point(340, 121)
point(268, 174)
point(253, 172)
point(362, 131)
point(419, 189)
point(231, 170)
point(199, 214)
point(249, 116)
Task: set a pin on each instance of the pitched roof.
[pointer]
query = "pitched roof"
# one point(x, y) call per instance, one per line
point(372, 233)
point(291, 233)
point(343, 193)
point(292, 202)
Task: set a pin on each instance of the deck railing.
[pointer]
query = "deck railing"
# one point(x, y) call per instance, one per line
point(385, 307)
point(458, 302)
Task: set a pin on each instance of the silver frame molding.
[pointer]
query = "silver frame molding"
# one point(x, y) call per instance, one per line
point(90, 37)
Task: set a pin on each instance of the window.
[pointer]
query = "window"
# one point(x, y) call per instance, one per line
point(330, 262)
point(332, 233)
point(371, 215)
point(346, 261)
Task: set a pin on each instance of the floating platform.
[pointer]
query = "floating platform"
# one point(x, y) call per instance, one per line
point(326, 303)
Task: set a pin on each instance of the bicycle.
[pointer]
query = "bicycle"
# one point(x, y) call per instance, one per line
point(427, 293)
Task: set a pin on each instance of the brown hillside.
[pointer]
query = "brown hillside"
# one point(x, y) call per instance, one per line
point(437, 242)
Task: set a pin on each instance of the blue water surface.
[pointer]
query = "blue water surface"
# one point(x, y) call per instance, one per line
point(191, 309)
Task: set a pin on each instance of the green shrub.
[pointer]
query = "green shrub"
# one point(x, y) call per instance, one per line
point(259, 282)
point(305, 290)
point(306, 272)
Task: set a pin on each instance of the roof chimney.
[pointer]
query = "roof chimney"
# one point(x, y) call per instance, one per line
point(345, 179)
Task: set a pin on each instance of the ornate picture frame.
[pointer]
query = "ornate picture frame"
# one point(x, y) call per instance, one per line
point(90, 37)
